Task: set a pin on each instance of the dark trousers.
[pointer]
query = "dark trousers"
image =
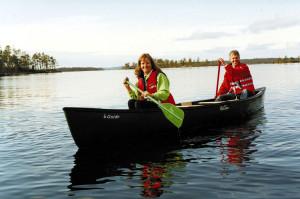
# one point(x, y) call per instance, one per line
point(140, 104)
point(230, 96)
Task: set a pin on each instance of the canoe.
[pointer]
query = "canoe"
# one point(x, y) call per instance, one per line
point(119, 128)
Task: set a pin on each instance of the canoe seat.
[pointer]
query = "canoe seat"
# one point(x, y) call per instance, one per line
point(212, 102)
point(186, 104)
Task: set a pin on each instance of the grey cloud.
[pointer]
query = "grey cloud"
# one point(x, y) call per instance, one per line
point(256, 47)
point(205, 35)
point(269, 46)
point(267, 50)
point(210, 54)
point(272, 24)
point(91, 59)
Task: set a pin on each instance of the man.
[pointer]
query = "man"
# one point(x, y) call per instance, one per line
point(237, 81)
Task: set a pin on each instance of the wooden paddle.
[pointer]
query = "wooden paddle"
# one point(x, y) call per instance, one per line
point(174, 114)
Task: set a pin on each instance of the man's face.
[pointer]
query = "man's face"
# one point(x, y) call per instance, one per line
point(235, 59)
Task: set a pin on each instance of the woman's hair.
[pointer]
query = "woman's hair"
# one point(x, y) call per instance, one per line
point(234, 52)
point(138, 70)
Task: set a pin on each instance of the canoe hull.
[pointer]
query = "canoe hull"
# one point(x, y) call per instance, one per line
point(106, 128)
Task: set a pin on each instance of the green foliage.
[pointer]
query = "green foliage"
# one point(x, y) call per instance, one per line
point(167, 63)
point(13, 61)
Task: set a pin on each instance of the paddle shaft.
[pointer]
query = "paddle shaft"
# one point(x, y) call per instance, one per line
point(138, 89)
point(153, 100)
point(218, 77)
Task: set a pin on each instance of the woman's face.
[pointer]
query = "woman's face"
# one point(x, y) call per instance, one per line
point(235, 59)
point(146, 66)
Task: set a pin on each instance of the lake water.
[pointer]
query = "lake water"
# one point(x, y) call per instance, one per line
point(38, 158)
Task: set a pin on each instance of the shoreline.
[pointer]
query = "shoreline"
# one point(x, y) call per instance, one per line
point(4, 74)
point(83, 69)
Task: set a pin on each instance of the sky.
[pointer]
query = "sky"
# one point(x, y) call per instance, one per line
point(110, 33)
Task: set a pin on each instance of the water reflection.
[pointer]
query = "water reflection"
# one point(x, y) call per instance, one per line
point(235, 143)
point(150, 172)
point(25, 90)
point(235, 147)
point(152, 178)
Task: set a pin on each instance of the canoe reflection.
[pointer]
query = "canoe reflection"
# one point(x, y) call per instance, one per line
point(236, 148)
point(151, 169)
point(237, 144)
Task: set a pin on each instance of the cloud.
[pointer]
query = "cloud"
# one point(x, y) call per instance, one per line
point(91, 59)
point(205, 35)
point(259, 47)
point(273, 46)
point(273, 24)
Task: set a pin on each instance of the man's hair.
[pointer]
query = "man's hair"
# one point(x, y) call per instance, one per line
point(234, 52)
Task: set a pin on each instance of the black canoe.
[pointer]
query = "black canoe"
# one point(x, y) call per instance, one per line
point(106, 128)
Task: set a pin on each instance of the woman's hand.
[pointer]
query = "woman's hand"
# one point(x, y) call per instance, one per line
point(145, 94)
point(125, 82)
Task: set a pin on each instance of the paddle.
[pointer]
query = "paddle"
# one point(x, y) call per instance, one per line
point(174, 114)
point(218, 79)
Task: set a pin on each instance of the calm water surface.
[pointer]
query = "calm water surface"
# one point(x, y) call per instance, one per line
point(38, 158)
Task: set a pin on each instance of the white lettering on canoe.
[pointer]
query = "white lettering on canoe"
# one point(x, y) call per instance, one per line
point(224, 108)
point(112, 117)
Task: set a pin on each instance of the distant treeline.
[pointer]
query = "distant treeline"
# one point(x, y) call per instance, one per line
point(167, 63)
point(15, 61)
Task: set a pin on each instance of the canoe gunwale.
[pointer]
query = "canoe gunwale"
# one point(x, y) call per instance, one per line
point(195, 104)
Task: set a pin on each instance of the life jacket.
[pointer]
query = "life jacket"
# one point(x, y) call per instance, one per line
point(151, 86)
point(239, 78)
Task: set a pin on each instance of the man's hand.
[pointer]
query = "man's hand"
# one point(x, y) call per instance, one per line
point(221, 61)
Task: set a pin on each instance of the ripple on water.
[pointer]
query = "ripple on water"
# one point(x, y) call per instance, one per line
point(256, 159)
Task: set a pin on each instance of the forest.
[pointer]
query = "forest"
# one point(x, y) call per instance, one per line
point(15, 61)
point(189, 62)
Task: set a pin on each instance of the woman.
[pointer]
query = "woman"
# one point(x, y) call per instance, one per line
point(237, 79)
point(152, 81)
